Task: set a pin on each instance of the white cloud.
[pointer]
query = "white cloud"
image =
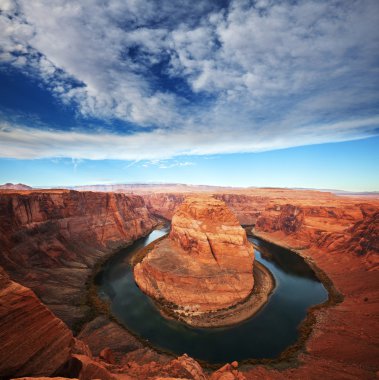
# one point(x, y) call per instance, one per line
point(76, 162)
point(166, 164)
point(86, 42)
point(275, 75)
point(28, 143)
point(176, 164)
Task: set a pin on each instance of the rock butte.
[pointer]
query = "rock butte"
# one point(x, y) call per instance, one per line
point(51, 239)
point(207, 250)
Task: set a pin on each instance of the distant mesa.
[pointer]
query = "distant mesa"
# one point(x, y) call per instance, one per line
point(203, 267)
point(18, 186)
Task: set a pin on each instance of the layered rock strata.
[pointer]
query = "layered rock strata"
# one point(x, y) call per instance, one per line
point(308, 218)
point(337, 234)
point(52, 239)
point(205, 265)
point(33, 340)
point(36, 344)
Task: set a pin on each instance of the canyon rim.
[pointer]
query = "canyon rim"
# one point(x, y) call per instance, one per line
point(334, 234)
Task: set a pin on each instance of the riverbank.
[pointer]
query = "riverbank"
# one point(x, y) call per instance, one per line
point(258, 298)
point(339, 337)
point(334, 295)
point(93, 303)
point(288, 358)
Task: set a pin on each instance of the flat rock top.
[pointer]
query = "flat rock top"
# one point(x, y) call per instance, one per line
point(206, 209)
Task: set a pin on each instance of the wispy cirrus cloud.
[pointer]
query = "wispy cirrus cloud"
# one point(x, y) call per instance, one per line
point(195, 78)
point(167, 164)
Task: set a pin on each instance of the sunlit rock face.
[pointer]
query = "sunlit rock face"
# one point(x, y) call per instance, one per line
point(33, 340)
point(206, 264)
point(206, 229)
point(51, 239)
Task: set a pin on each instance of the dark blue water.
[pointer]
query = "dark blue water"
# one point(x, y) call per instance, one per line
point(264, 335)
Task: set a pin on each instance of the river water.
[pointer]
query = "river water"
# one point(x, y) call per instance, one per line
point(264, 335)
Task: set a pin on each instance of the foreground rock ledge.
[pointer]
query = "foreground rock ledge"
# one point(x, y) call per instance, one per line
point(203, 272)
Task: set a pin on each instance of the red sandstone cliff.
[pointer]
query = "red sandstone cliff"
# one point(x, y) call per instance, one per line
point(206, 264)
point(248, 205)
point(311, 218)
point(341, 239)
point(352, 229)
point(163, 204)
point(206, 229)
point(33, 340)
point(36, 343)
point(339, 235)
point(52, 239)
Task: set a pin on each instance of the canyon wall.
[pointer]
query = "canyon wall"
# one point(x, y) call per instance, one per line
point(343, 244)
point(51, 240)
point(36, 344)
point(308, 218)
point(33, 340)
point(163, 205)
point(351, 229)
point(340, 236)
point(247, 204)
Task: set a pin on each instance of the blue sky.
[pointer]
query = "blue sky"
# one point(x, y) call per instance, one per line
point(240, 93)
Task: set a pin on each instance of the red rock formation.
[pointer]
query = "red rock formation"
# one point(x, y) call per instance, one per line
point(183, 367)
point(52, 239)
point(208, 251)
point(33, 340)
point(351, 228)
point(45, 378)
point(162, 204)
point(36, 343)
point(344, 342)
point(247, 205)
point(337, 234)
point(228, 372)
point(101, 333)
point(89, 369)
point(361, 239)
point(206, 229)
